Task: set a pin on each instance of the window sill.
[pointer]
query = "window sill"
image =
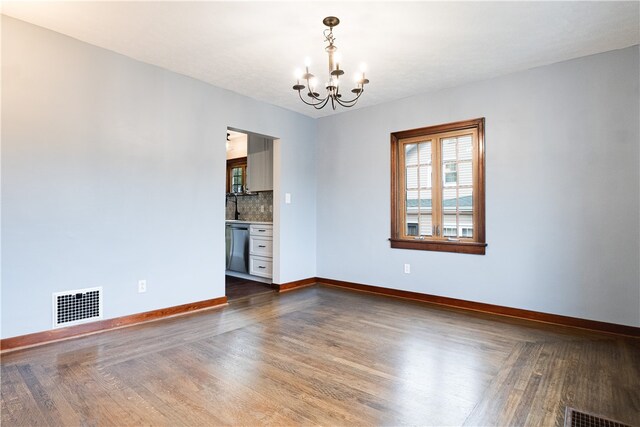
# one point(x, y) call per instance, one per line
point(473, 248)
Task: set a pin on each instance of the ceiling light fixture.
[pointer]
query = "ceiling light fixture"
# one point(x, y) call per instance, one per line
point(334, 82)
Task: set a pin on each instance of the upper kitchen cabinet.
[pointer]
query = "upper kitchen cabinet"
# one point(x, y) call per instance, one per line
point(259, 164)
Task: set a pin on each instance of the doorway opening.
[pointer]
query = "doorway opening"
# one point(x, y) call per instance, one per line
point(249, 209)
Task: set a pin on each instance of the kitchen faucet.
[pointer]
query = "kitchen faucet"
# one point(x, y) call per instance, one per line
point(236, 214)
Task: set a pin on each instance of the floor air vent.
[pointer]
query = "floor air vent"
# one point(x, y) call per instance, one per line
point(79, 306)
point(575, 418)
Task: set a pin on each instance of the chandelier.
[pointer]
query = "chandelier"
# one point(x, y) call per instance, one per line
point(334, 84)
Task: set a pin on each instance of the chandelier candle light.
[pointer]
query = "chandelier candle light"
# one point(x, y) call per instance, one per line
point(334, 82)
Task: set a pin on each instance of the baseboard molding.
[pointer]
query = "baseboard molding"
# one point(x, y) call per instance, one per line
point(45, 337)
point(519, 313)
point(289, 286)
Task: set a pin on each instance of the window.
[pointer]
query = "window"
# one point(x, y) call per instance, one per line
point(236, 175)
point(236, 179)
point(437, 188)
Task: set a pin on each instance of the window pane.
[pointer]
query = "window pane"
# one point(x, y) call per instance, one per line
point(425, 201)
point(449, 209)
point(449, 149)
point(465, 221)
point(425, 176)
point(449, 202)
point(412, 226)
point(411, 202)
point(426, 220)
point(411, 154)
point(425, 153)
point(464, 147)
point(412, 177)
point(450, 174)
point(465, 174)
point(465, 200)
point(449, 226)
point(426, 225)
point(457, 192)
point(411, 209)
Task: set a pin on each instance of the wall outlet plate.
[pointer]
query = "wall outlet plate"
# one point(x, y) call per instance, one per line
point(142, 286)
point(407, 268)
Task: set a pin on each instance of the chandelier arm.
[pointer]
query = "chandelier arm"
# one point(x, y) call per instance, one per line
point(311, 92)
point(351, 102)
point(320, 107)
point(312, 103)
point(348, 103)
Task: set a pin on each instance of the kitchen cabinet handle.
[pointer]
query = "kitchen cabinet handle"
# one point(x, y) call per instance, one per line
point(262, 231)
point(261, 266)
point(261, 246)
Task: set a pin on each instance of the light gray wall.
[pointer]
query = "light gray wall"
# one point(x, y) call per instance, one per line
point(114, 170)
point(562, 161)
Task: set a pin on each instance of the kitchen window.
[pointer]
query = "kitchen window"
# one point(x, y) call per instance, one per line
point(437, 188)
point(236, 175)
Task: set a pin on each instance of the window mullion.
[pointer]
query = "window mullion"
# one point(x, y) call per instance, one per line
point(418, 184)
point(436, 186)
point(458, 231)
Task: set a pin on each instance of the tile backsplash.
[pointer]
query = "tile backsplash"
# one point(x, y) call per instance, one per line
point(249, 207)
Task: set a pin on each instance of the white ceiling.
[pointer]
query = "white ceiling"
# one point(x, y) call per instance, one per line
point(252, 48)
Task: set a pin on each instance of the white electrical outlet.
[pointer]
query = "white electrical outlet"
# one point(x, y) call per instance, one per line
point(261, 208)
point(142, 286)
point(407, 268)
point(270, 208)
point(287, 198)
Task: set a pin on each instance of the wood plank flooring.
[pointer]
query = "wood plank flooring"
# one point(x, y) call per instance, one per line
point(322, 355)
point(236, 287)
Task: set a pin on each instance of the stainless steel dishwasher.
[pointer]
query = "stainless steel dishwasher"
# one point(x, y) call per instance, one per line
point(237, 237)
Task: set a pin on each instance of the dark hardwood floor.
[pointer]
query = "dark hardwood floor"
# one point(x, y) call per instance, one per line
point(322, 355)
point(241, 288)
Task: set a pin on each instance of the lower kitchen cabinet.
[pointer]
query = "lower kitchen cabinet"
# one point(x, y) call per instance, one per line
point(261, 266)
point(261, 250)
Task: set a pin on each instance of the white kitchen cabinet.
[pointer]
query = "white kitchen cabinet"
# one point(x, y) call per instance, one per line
point(261, 246)
point(259, 164)
point(261, 230)
point(261, 266)
point(261, 250)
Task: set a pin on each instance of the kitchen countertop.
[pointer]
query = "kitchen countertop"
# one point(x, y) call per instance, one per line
point(237, 221)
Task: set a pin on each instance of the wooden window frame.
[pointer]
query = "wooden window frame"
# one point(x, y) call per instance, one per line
point(399, 240)
point(240, 162)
